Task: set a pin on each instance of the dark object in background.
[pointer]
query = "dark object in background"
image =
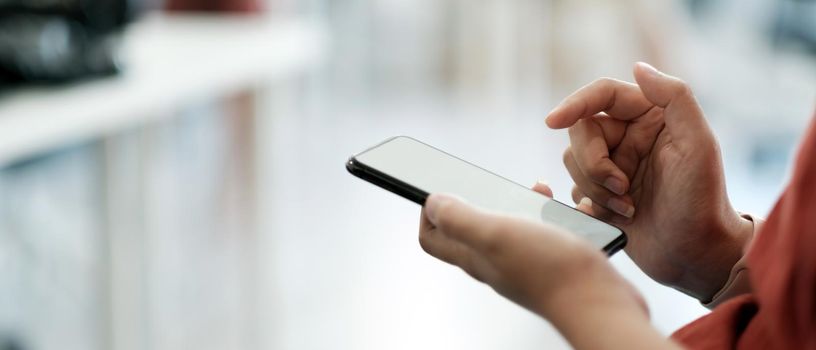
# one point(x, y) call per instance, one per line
point(244, 6)
point(59, 40)
point(11, 343)
point(795, 24)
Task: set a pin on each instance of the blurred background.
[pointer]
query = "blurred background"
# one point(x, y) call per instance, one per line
point(171, 172)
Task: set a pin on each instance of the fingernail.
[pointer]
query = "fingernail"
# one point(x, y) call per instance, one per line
point(616, 186)
point(649, 68)
point(555, 110)
point(585, 202)
point(542, 183)
point(620, 220)
point(433, 203)
point(621, 207)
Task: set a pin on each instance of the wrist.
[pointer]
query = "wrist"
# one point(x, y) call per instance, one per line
point(737, 281)
point(727, 246)
point(591, 283)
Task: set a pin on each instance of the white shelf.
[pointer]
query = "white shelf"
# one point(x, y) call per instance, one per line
point(169, 61)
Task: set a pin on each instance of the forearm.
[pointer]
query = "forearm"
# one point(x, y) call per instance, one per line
point(598, 309)
point(610, 327)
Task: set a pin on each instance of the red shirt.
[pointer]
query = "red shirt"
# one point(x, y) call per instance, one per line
point(780, 310)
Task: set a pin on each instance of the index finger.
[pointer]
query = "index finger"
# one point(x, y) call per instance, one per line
point(618, 99)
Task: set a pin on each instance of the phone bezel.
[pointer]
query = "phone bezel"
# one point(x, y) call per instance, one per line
point(419, 196)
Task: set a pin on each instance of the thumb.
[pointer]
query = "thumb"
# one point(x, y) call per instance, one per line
point(458, 220)
point(682, 114)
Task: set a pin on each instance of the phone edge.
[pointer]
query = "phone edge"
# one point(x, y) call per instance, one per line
point(616, 245)
point(386, 182)
point(405, 190)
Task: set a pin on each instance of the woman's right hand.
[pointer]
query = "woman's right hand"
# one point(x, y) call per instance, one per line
point(646, 157)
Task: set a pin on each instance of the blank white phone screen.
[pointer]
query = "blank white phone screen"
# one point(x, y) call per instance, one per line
point(434, 171)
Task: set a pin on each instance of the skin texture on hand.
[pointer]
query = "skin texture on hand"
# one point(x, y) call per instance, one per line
point(544, 269)
point(646, 157)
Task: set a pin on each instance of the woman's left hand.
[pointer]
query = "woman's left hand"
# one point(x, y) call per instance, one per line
point(541, 267)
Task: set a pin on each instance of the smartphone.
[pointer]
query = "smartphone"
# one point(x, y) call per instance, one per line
point(414, 170)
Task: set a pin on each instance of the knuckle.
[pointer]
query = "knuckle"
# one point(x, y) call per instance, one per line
point(566, 157)
point(601, 213)
point(604, 82)
point(599, 195)
point(681, 88)
point(597, 172)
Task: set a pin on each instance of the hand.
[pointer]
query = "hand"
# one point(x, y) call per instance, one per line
point(646, 158)
point(541, 267)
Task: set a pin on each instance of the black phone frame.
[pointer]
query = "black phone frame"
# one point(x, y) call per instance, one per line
point(419, 196)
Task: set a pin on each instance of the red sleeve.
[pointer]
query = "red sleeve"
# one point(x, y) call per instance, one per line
point(780, 312)
point(782, 262)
